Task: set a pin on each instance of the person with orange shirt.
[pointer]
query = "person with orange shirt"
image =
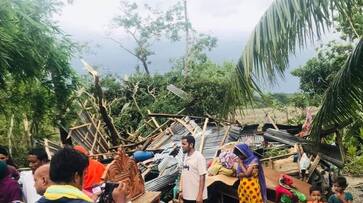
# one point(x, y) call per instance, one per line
point(94, 171)
point(315, 195)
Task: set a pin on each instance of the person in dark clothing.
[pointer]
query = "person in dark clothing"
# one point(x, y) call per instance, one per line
point(12, 168)
point(9, 188)
point(66, 172)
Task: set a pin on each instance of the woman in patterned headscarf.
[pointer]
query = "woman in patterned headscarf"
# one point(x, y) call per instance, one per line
point(252, 187)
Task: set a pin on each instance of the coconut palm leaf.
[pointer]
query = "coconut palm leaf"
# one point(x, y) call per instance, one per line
point(343, 100)
point(285, 26)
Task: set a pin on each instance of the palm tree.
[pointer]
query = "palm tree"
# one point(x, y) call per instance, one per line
point(291, 24)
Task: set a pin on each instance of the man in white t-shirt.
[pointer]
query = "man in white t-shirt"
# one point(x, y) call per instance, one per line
point(193, 187)
point(36, 158)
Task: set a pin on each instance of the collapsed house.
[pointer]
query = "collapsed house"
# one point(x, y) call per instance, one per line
point(159, 172)
point(211, 138)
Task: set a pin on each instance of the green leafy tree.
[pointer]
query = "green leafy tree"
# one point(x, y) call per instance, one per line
point(288, 25)
point(35, 53)
point(350, 22)
point(317, 73)
point(130, 98)
point(146, 25)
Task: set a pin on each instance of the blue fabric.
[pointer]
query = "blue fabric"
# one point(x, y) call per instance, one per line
point(251, 158)
point(333, 199)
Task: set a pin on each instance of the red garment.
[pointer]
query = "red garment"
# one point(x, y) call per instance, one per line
point(279, 190)
point(93, 173)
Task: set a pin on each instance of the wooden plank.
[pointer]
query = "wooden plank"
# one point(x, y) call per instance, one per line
point(278, 157)
point(272, 122)
point(157, 129)
point(95, 138)
point(80, 126)
point(225, 136)
point(188, 127)
point(166, 115)
point(203, 135)
point(313, 166)
point(155, 122)
point(165, 139)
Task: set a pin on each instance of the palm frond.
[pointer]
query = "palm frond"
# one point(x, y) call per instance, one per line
point(285, 26)
point(343, 100)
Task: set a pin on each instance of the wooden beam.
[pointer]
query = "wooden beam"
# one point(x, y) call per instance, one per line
point(313, 166)
point(278, 157)
point(272, 122)
point(80, 126)
point(225, 136)
point(166, 115)
point(95, 137)
point(155, 122)
point(203, 135)
point(165, 139)
point(188, 127)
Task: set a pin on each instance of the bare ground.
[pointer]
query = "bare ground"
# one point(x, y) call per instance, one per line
point(355, 187)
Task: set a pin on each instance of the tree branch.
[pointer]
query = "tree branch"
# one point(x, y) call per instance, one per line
point(125, 48)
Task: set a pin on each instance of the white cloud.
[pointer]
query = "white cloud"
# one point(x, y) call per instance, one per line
point(88, 15)
point(217, 17)
point(228, 16)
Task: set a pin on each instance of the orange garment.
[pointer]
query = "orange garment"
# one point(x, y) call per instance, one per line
point(312, 201)
point(93, 173)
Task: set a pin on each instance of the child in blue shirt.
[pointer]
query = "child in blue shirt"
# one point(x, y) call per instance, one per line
point(339, 196)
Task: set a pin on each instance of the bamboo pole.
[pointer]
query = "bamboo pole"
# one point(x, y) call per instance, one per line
point(272, 122)
point(203, 135)
point(225, 136)
point(155, 122)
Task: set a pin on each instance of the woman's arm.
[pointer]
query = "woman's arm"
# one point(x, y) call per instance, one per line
point(248, 172)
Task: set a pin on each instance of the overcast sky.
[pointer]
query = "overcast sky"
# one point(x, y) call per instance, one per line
point(231, 21)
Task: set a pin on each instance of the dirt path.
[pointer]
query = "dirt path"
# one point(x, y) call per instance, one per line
point(355, 187)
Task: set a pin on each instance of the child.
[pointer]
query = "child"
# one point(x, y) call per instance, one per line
point(339, 196)
point(315, 195)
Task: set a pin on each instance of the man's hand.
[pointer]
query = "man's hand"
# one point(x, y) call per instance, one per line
point(119, 193)
point(199, 198)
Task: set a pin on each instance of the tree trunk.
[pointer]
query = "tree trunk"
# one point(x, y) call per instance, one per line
point(10, 135)
point(339, 142)
point(63, 132)
point(186, 57)
point(106, 118)
point(59, 89)
point(146, 67)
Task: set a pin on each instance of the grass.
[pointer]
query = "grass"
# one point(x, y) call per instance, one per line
point(258, 116)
